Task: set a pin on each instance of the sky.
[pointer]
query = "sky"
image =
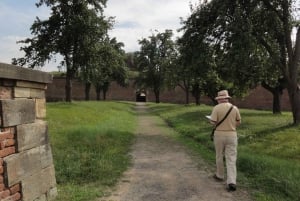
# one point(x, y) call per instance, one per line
point(134, 20)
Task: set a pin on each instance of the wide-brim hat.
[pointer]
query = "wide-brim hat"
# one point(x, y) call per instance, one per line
point(222, 95)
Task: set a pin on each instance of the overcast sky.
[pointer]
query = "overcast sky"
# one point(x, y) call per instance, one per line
point(135, 19)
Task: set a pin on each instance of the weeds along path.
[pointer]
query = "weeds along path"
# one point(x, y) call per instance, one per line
point(163, 170)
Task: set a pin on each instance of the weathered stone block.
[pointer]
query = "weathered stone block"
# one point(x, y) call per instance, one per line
point(39, 183)
point(46, 155)
point(15, 112)
point(40, 108)
point(41, 198)
point(25, 153)
point(33, 85)
point(5, 92)
point(20, 92)
point(9, 71)
point(22, 165)
point(52, 194)
point(31, 135)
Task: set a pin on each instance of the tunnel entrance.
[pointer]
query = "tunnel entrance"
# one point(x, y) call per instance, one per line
point(141, 96)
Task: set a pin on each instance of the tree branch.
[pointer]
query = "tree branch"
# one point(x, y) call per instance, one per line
point(272, 8)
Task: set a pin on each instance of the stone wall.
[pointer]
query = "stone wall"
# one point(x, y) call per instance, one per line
point(258, 98)
point(26, 164)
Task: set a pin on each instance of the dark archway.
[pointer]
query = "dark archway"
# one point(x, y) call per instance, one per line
point(141, 96)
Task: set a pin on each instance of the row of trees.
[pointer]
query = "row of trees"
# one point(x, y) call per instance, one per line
point(78, 31)
point(235, 45)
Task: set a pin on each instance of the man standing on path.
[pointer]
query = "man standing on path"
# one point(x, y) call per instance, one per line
point(225, 117)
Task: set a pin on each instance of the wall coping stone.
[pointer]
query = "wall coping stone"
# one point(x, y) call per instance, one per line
point(10, 71)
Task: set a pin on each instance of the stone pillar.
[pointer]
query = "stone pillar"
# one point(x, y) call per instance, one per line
point(26, 164)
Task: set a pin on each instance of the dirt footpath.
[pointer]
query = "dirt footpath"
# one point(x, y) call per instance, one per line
point(163, 170)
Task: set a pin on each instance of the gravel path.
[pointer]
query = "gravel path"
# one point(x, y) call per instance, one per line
point(163, 170)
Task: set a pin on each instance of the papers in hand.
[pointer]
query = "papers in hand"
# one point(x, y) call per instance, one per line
point(208, 117)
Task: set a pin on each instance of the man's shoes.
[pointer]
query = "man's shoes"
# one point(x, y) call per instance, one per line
point(218, 178)
point(231, 187)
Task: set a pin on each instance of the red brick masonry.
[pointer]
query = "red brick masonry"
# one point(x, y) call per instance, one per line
point(258, 98)
point(7, 147)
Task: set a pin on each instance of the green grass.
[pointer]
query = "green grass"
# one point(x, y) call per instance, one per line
point(268, 152)
point(90, 143)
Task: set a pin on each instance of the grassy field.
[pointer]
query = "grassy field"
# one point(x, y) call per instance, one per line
point(90, 143)
point(268, 153)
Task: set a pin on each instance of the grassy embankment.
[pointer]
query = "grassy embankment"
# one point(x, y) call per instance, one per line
point(90, 142)
point(268, 152)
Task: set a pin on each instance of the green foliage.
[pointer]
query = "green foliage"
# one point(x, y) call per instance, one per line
point(238, 45)
point(107, 65)
point(268, 152)
point(73, 30)
point(154, 58)
point(65, 32)
point(90, 144)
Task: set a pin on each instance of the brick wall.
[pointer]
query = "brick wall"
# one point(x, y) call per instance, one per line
point(258, 98)
point(26, 164)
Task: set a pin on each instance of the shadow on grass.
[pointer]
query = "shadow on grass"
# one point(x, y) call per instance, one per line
point(263, 133)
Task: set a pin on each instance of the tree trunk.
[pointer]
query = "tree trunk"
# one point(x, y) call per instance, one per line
point(98, 93)
point(277, 94)
point(276, 102)
point(294, 95)
point(69, 76)
point(294, 92)
point(185, 87)
point(291, 71)
point(87, 90)
point(197, 98)
point(156, 93)
point(296, 107)
point(187, 96)
point(104, 94)
point(68, 87)
point(196, 93)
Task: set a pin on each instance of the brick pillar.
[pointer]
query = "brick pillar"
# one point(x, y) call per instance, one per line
point(26, 164)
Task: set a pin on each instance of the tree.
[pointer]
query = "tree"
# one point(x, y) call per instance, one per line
point(67, 32)
point(154, 58)
point(197, 53)
point(109, 66)
point(271, 24)
point(244, 56)
point(180, 76)
point(288, 56)
point(245, 42)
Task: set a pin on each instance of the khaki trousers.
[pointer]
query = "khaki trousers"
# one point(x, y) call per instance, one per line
point(226, 145)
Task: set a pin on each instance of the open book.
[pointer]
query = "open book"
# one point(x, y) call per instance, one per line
point(208, 117)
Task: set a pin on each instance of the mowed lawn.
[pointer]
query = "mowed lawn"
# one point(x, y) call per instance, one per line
point(91, 140)
point(268, 152)
point(90, 143)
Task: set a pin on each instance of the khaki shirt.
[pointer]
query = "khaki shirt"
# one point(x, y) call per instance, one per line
point(232, 120)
